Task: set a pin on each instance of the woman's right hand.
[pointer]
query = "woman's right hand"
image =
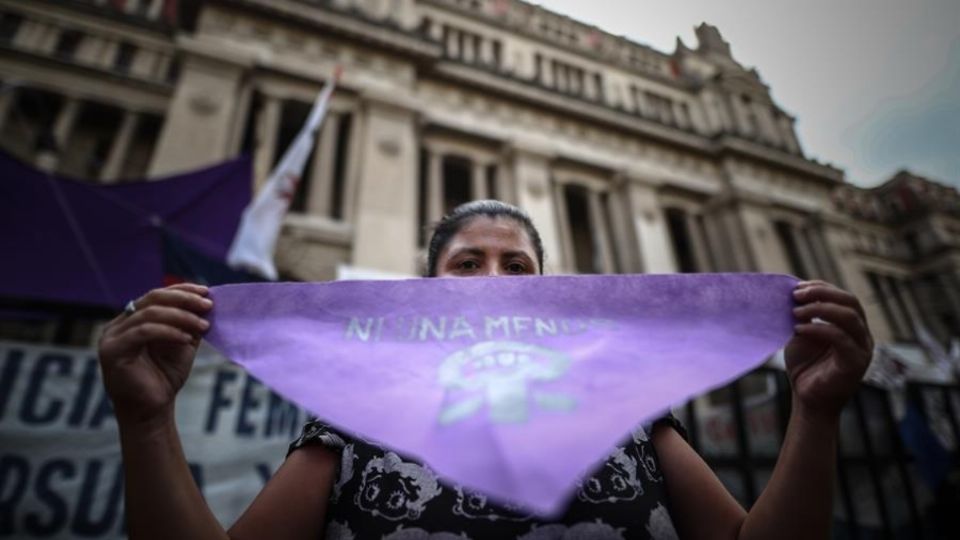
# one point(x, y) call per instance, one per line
point(146, 356)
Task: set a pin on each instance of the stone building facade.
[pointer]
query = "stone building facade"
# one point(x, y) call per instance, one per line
point(629, 159)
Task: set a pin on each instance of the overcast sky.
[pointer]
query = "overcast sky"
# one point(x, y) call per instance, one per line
point(874, 84)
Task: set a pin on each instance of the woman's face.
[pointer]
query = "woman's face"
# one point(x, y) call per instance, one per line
point(488, 247)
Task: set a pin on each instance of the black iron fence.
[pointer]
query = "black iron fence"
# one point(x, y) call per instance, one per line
point(884, 482)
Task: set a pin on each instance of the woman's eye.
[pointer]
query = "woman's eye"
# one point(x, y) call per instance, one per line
point(469, 265)
point(516, 268)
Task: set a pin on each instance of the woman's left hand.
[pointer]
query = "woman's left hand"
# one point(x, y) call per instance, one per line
point(826, 360)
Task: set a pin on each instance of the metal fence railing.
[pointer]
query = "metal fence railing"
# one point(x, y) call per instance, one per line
point(883, 486)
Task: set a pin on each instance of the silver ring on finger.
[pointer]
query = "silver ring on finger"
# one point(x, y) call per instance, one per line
point(130, 308)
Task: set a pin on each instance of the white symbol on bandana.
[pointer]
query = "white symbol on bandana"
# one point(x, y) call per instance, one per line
point(499, 374)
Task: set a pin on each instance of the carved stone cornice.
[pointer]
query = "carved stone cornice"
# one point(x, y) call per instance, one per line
point(516, 89)
point(730, 144)
point(611, 59)
point(319, 16)
point(525, 91)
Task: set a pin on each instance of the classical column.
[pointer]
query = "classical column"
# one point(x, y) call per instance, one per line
point(268, 126)
point(601, 234)
point(531, 174)
point(387, 194)
point(700, 248)
point(906, 300)
point(199, 122)
point(108, 52)
point(653, 235)
point(809, 261)
point(120, 147)
point(478, 180)
point(324, 161)
point(818, 246)
point(501, 184)
point(889, 300)
point(567, 256)
point(434, 186)
point(66, 118)
point(61, 129)
point(354, 157)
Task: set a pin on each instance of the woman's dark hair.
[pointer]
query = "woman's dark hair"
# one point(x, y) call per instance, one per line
point(451, 224)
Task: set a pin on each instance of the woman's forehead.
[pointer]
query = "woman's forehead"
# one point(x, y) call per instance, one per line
point(498, 231)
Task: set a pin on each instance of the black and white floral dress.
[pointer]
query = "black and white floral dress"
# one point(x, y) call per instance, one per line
point(379, 494)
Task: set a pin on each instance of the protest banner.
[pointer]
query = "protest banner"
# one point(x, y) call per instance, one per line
point(60, 467)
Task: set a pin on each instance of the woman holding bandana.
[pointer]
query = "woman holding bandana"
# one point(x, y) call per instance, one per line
point(653, 485)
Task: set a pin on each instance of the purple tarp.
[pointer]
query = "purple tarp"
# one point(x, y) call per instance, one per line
point(71, 241)
point(511, 386)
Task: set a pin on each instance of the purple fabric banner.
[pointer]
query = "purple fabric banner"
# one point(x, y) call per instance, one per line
point(72, 241)
point(511, 386)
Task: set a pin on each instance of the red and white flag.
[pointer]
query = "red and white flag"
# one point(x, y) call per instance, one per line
point(256, 239)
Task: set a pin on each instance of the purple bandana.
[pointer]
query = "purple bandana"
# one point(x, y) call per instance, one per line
point(512, 386)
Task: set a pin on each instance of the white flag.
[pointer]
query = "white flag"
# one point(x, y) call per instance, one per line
point(256, 238)
point(935, 350)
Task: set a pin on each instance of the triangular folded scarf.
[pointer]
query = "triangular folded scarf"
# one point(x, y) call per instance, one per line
point(513, 386)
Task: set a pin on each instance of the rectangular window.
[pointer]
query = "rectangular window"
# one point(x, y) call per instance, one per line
point(878, 293)
point(894, 286)
point(681, 240)
point(637, 101)
point(67, 44)
point(9, 26)
point(608, 229)
point(456, 182)
point(491, 171)
point(293, 114)
point(173, 72)
point(141, 149)
point(789, 242)
point(461, 44)
point(683, 116)
point(582, 240)
point(341, 156)
point(749, 116)
point(497, 54)
point(30, 128)
point(124, 59)
point(91, 140)
point(661, 108)
point(576, 86)
point(424, 160)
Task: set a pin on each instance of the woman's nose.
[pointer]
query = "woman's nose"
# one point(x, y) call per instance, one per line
point(491, 271)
